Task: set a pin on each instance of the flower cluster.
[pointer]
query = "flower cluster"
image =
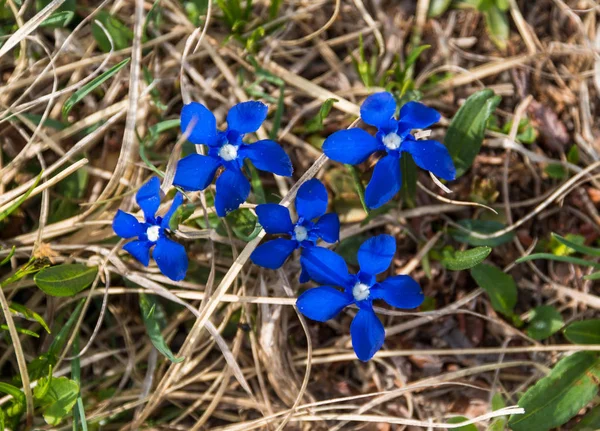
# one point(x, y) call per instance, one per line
point(227, 154)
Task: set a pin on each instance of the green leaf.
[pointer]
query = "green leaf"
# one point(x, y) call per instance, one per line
point(91, 86)
point(560, 248)
point(315, 124)
point(461, 260)
point(18, 399)
point(359, 186)
point(21, 330)
point(2, 420)
point(11, 253)
point(58, 399)
point(465, 134)
point(65, 280)
point(17, 203)
point(152, 314)
point(567, 259)
point(79, 420)
point(572, 244)
point(438, 7)
point(583, 332)
point(484, 227)
point(460, 419)
point(498, 423)
point(58, 19)
point(499, 286)
point(593, 276)
point(543, 322)
point(274, 8)
point(556, 398)
point(497, 25)
point(243, 223)
point(40, 365)
point(573, 155)
point(590, 422)
point(278, 114)
point(414, 55)
point(121, 35)
point(408, 169)
point(556, 171)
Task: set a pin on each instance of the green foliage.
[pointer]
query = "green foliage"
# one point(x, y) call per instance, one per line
point(461, 419)
point(358, 184)
point(195, 10)
point(408, 169)
point(567, 259)
point(438, 7)
point(274, 8)
point(91, 86)
point(560, 248)
point(526, 133)
point(121, 35)
point(556, 171)
point(154, 321)
point(61, 17)
point(544, 321)
point(315, 124)
point(483, 227)
point(41, 365)
point(496, 20)
point(17, 405)
point(590, 422)
point(498, 423)
point(466, 132)
point(26, 313)
point(461, 260)
point(17, 203)
point(574, 242)
point(235, 14)
point(559, 396)
point(500, 287)
point(56, 397)
point(584, 332)
point(65, 280)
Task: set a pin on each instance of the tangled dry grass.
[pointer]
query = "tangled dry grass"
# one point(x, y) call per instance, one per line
point(264, 366)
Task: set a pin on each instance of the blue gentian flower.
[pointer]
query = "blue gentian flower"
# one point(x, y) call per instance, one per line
point(226, 149)
point(354, 146)
point(325, 302)
point(312, 224)
point(169, 255)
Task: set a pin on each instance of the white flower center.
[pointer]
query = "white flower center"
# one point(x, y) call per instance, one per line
point(152, 233)
point(228, 152)
point(360, 291)
point(300, 233)
point(392, 141)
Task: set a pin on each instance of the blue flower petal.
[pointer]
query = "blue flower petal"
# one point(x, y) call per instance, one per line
point(415, 115)
point(322, 303)
point(326, 267)
point(195, 172)
point(204, 130)
point(171, 258)
point(367, 334)
point(126, 225)
point(177, 201)
point(272, 254)
point(148, 197)
point(375, 254)
point(351, 146)
point(274, 218)
point(311, 199)
point(329, 228)
point(378, 108)
point(268, 156)
point(385, 181)
point(246, 117)
point(431, 156)
point(400, 291)
point(140, 250)
point(232, 190)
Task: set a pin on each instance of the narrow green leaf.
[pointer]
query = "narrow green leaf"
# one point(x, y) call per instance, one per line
point(583, 332)
point(556, 398)
point(22, 311)
point(414, 55)
point(465, 134)
point(18, 401)
point(66, 279)
point(163, 126)
point(497, 25)
point(567, 259)
point(79, 412)
point(21, 330)
point(543, 322)
point(438, 7)
point(358, 185)
point(483, 227)
point(315, 124)
point(40, 365)
point(58, 19)
point(499, 286)
point(461, 260)
point(556, 171)
point(91, 86)
point(16, 204)
point(121, 35)
point(60, 398)
point(590, 251)
point(560, 248)
point(590, 422)
point(9, 256)
point(278, 114)
point(460, 419)
point(151, 316)
point(593, 276)
point(409, 179)
point(2, 420)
